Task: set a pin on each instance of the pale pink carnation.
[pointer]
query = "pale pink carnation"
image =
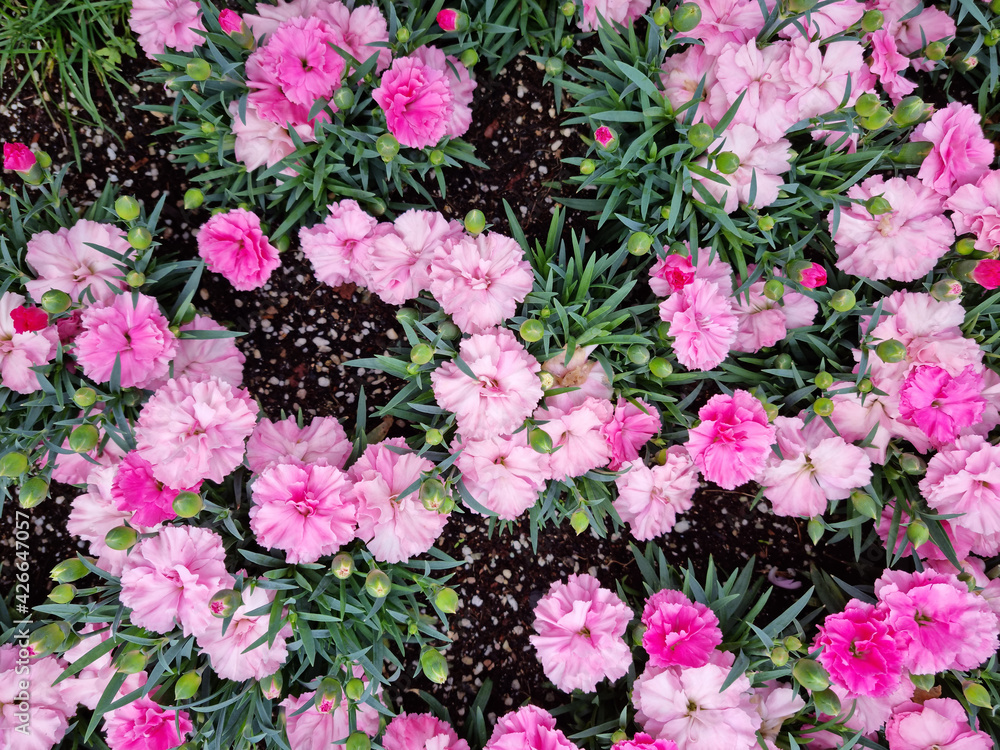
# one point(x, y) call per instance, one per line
point(261, 142)
point(135, 489)
point(936, 724)
point(903, 244)
point(306, 511)
point(312, 730)
point(756, 74)
point(942, 405)
point(679, 632)
point(32, 686)
point(401, 259)
point(421, 732)
point(776, 703)
point(960, 154)
point(19, 352)
point(323, 441)
point(618, 11)
point(818, 76)
point(359, 30)
point(201, 359)
point(159, 24)
point(340, 247)
point(733, 440)
point(683, 73)
point(395, 527)
point(631, 426)
point(233, 244)
point(89, 684)
point(75, 468)
point(503, 393)
point(460, 82)
point(586, 376)
point(144, 724)
point(702, 324)
point(417, 102)
point(65, 260)
point(191, 431)
point(965, 478)
point(579, 630)
point(859, 651)
point(503, 474)
point(93, 514)
point(976, 210)
point(761, 165)
point(725, 21)
point(169, 578)
point(480, 280)
point(826, 20)
point(228, 651)
point(577, 436)
point(887, 64)
point(764, 322)
point(649, 499)
point(528, 728)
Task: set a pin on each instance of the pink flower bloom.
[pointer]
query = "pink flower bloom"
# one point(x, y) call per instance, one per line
point(702, 324)
point(725, 21)
point(130, 333)
point(903, 244)
point(579, 630)
point(340, 247)
point(503, 393)
point(937, 723)
point(233, 245)
point(312, 730)
point(304, 511)
point(460, 82)
point(776, 703)
point(679, 632)
point(986, 274)
point(818, 75)
point(649, 499)
point(937, 623)
point(230, 21)
point(813, 277)
point(965, 478)
point(17, 157)
point(761, 165)
point(689, 707)
point(228, 651)
point(577, 437)
point(867, 713)
point(49, 706)
point(420, 731)
point(683, 73)
point(813, 469)
point(144, 724)
point(417, 102)
point(618, 11)
point(643, 741)
point(756, 75)
point(604, 135)
point(586, 376)
point(28, 319)
point(66, 261)
point(322, 442)
point(480, 280)
point(960, 154)
point(19, 352)
point(670, 274)
point(93, 514)
point(401, 259)
point(447, 19)
point(360, 30)
point(859, 651)
point(191, 431)
point(169, 579)
point(941, 405)
point(976, 209)
point(528, 728)
point(395, 527)
point(299, 61)
point(160, 24)
point(75, 468)
point(201, 359)
point(503, 474)
point(631, 426)
point(764, 322)
point(887, 64)
point(135, 489)
point(262, 142)
point(733, 440)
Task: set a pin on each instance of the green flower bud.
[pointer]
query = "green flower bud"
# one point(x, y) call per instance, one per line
point(792, 643)
point(995, 6)
point(354, 689)
point(765, 223)
point(568, 9)
point(865, 505)
point(917, 532)
point(68, 571)
point(84, 438)
point(139, 238)
point(63, 593)
point(686, 17)
point(815, 529)
point(779, 656)
point(432, 494)
point(661, 15)
point(783, 362)
point(618, 736)
point(193, 198)
point(965, 246)
point(774, 289)
point(872, 21)
point(208, 128)
point(639, 243)
point(867, 104)
point(329, 694)
point(409, 314)
point(823, 380)
point(43, 160)
point(435, 666)
point(198, 69)
point(660, 367)
point(772, 411)
point(878, 205)
point(936, 51)
point(343, 98)
point(85, 397)
point(187, 685)
point(977, 695)
point(32, 492)
point(911, 153)
point(964, 269)
point(433, 437)
point(877, 119)
point(579, 521)
point(127, 208)
point(130, 662)
point(448, 507)
point(224, 603)
point(587, 166)
point(13, 464)
point(358, 741)
point(891, 351)
point(421, 354)
point(449, 331)
point(912, 464)
point(554, 66)
point(540, 440)
point(992, 38)
point(121, 538)
point(377, 583)
point(823, 407)
point(46, 639)
point(800, 6)
point(567, 41)
point(701, 135)
point(663, 331)
point(376, 206)
point(826, 702)
point(811, 675)
point(436, 157)
point(387, 146)
point(55, 301)
point(188, 504)
point(447, 601)
point(637, 354)
point(910, 111)
point(843, 300)
point(475, 221)
point(402, 35)
point(865, 386)
point(469, 58)
point(727, 162)
point(532, 330)
point(342, 566)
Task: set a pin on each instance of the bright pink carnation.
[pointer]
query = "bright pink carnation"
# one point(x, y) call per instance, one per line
point(503, 474)
point(965, 478)
point(579, 630)
point(159, 24)
point(936, 724)
point(417, 102)
point(942, 405)
point(65, 260)
point(306, 511)
point(340, 247)
point(299, 60)
point(363, 31)
point(135, 489)
point(421, 731)
point(17, 157)
point(643, 741)
point(460, 83)
point(480, 280)
point(28, 319)
point(577, 437)
point(702, 324)
point(323, 441)
point(144, 724)
point(986, 273)
point(401, 259)
point(813, 277)
point(631, 426)
point(679, 632)
point(131, 334)
point(233, 245)
point(312, 730)
point(528, 728)
point(976, 209)
point(733, 440)
point(169, 578)
point(191, 431)
point(960, 154)
point(859, 651)
point(503, 392)
point(49, 706)
point(649, 499)
point(19, 352)
point(230, 21)
point(394, 526)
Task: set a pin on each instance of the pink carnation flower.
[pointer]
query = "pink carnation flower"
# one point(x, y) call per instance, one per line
point(528, 728)
point(503, 474)
point(312, 730)
point(130, 333)
point(733, 440)
point(903, 244)
point(986, 274)
point(586, 376)
point(135, 489)
point(887, 64)
point(306, 511)
point(360, 30)
point(683, 73)
point(936, 724)
point(230, 21)
point(670, 274)
point(761, 165)
point(756, 75)
point(89, 684)
point(960, 154)
point(401, 259)
point(679, 632)
point(503, 393)
point(233, 245)
point(323, 441)
point(579, 630)
point(76, 468)
point(65, 260)
point(27, 319)
point(191, 431)
point(299, 61)
point(965, 478)
point(818, 75)
point(394, 526)
point(577, 436)
point(417, 102)
point(764, 322)
point(144, 724)
point(702, 324)
point(643, 741)
point(339, 248)
point(201, 359)
point(631, 426)
point(859, 651)
point(421, 731)
point(725, 21)
point(649, 499)
point(617, 11)
point(228, 651)
point(776, 702)
point(93, 514)
point(49, 706)
point(18, 158)
point(460, 83)
point(976, 210)
point(480, 280)
point(19, 352)
point(159, 24)
point(942, 405)
point(261, 142)
point(937, 623)
point(169, 578)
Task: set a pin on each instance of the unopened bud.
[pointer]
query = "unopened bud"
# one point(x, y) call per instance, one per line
point(387, 146)
point(433, 494)
point(63, 593)
point(936, 51)
point(639, 243)
point(701, 135)
point(193, 198)
point(187, 685)
point(865, 504)
point(435, 666)
point(447, 601)
point(661, 15)
point(475, 221)
point(121, 538)
point(912, 464)
point(378, 584)
point(891, 351)
point(779, 656)
point(872, 21)
point(686, 17)
point(198, 69)
point(343, 98)
point(910, 111)
point(84, 438)
point(917, 533)
point(554, 66)
point(660, 367)
point(827, 702)
point(811, 675)
point(977, 695)
point(270, 686)
point(354, 689)
point(188, 504)
point(68, 571)
point(814, 529)
point(55, 301)
point(225, 603)
point(127, 208)
point(329, 694)
point(358, 741)
point(46, 639)
point(140, 238)
point(727, 162)
point(579, 521)
point(540, 440)
point(13, 464)
point(342, 566)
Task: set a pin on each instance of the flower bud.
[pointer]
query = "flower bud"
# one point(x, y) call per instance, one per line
point(992, 38)
point(808, 274)
point(121, 538)
point(198, 69)
point(130, 662)
point(800, 6)
point(587, 166)
point(912, 464)
point(877, 119)
point(660, 367)
point(823, 407)
point(891, 351)
point(13, 464)
point(447, 601)
point(910, 111)
point(342, 566)
point(436, 157)
point(843, 300)
point(547, 380)
point(135, 279)
point(433, 494)
point(32, 492)
point(964, 269)
point(579, 521)
point(387, 146)
point(823, 380)
point(826, 702)
point(936, 51)
point(188, 504)
point(618, 736)
point(139, 238)
point(727, 162)
point(554, 66)
point(865, 505)
point(661, 15)
point(686, 17)
point(435, 666)
point(568, 9)
point(408, 314)
point(354, 689)
point(965, 246)
point(377, 583)
point(792, 643)
point(450, 19)
point(402, 35)
point(779, 656)
point(637, 354)
point(17, 157)
point(917, 533)
point(700, 135)
point(63, 593)
point(358, 741)
point(193, 198)
point(639, 243)
point(977, 695)
point(878, 205)
point(46, 639)
point(84, 438)
point(606, 138)
point(872, 21)
point(187, 685)
point(475, 221)
point(911, 154)
point(782, 362)
point(774, 289)
point(469, 58)
point(867, 104)
point(69, 570)
point(449, 331)
point(814, 529)
point(421, 354)
point(810, 674)
point(328, 695)
point(55, 301)
point(224, 603)
point(270, 686)
point(771, 411)
point(532, 330)
point(540, 440)
point(765, 223)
